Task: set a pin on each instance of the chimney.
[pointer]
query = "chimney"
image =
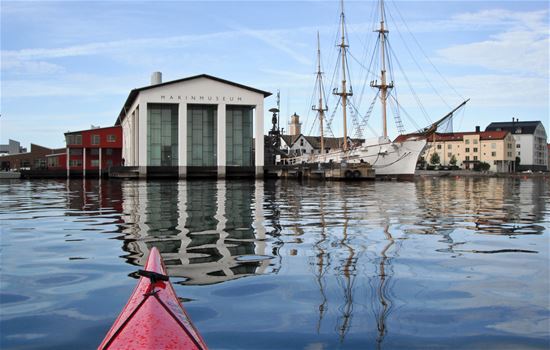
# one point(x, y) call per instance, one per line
point(478, 129)
point(156, 78)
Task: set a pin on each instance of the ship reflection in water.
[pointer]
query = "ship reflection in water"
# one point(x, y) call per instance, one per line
point(434, 262)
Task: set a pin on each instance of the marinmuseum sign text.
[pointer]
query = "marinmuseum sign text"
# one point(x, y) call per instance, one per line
point(201, 98)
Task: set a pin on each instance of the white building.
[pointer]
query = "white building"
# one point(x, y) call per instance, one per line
point(531, 146)
point(196, 125)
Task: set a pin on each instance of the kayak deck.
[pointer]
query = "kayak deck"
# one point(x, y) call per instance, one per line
point(153, 318)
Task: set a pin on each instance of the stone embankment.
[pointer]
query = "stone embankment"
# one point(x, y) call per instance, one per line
point(470, 173)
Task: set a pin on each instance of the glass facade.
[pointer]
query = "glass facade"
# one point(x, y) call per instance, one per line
point(238, 138)
point(202, 135)
point(162, 135)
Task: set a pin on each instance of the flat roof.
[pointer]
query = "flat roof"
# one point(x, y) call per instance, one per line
point(133, 94)
point(102, 128)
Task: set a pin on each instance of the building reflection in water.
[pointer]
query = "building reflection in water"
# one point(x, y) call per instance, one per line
point(93, 196)
point(207, 232)
point(351, 234)
point(507, 206)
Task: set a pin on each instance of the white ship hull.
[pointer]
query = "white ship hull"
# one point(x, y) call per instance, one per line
point(389, 159)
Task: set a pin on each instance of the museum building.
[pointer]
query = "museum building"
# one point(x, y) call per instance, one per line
point(195, 126)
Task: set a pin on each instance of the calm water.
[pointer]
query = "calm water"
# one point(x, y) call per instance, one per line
point(435, 263)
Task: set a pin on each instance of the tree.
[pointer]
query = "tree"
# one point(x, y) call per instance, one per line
point(434, 159)
point(421, 164)
point(482, 166)
point(453, 160)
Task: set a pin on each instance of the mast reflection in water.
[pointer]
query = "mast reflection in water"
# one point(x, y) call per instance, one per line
point(434, 263)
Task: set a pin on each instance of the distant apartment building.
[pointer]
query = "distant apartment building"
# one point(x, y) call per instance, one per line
point(497, 148)
point(531, 142)
point(12, 147)
point(35, 159)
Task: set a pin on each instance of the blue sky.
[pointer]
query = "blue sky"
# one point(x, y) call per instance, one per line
point(67, 65)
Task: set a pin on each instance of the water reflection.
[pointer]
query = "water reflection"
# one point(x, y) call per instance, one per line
point(207, 232)
point(373, 265)
point(508, 206)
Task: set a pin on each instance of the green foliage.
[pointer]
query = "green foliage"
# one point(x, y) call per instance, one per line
point(482, 166)
point(453, 160)
point(434, 159)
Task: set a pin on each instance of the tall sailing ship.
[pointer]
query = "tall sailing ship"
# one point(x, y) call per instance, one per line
point(397, 158)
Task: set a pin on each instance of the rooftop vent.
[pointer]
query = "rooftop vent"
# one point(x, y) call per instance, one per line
point(156, 78)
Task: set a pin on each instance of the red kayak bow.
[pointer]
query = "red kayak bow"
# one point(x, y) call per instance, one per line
point(153, 318)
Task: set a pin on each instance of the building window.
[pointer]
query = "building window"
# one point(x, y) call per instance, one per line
point(108, 151)
point(201, 135)
point(518, 145)
point(493, 154)
point(94, 151)
point(438, 146)
point(509, 146)
point(475, 157)
point(510, 154)
point(95, 139)
point(301, 142)
point(74, 139)
point(95, 162)
point(75, 162)
point(475, 141)
point(239, 135)
point(467, 158)
point(111, 138)
point(162, 134)
point(53, 162)
point(449, 146)
point(475, 149)
point(467, 149)
point(493, 145)
point(519, 153)
point(467, 141)
point(449, 154)
point(76, 152)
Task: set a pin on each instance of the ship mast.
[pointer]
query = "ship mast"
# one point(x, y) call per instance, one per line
point(383, 86)
point(319, 108)
point(344, 93)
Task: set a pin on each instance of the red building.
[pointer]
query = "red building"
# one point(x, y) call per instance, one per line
point(91, 151)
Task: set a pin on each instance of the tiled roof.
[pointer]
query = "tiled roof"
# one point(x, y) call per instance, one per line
point(459, 136)
point(514, 127)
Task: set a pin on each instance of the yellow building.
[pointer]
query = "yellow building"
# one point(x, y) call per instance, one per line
point(497, 148)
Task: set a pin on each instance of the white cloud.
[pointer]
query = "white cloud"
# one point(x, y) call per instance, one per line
point(520, 51)
point(67, 85)
point(98, 48)
point(31, 67)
